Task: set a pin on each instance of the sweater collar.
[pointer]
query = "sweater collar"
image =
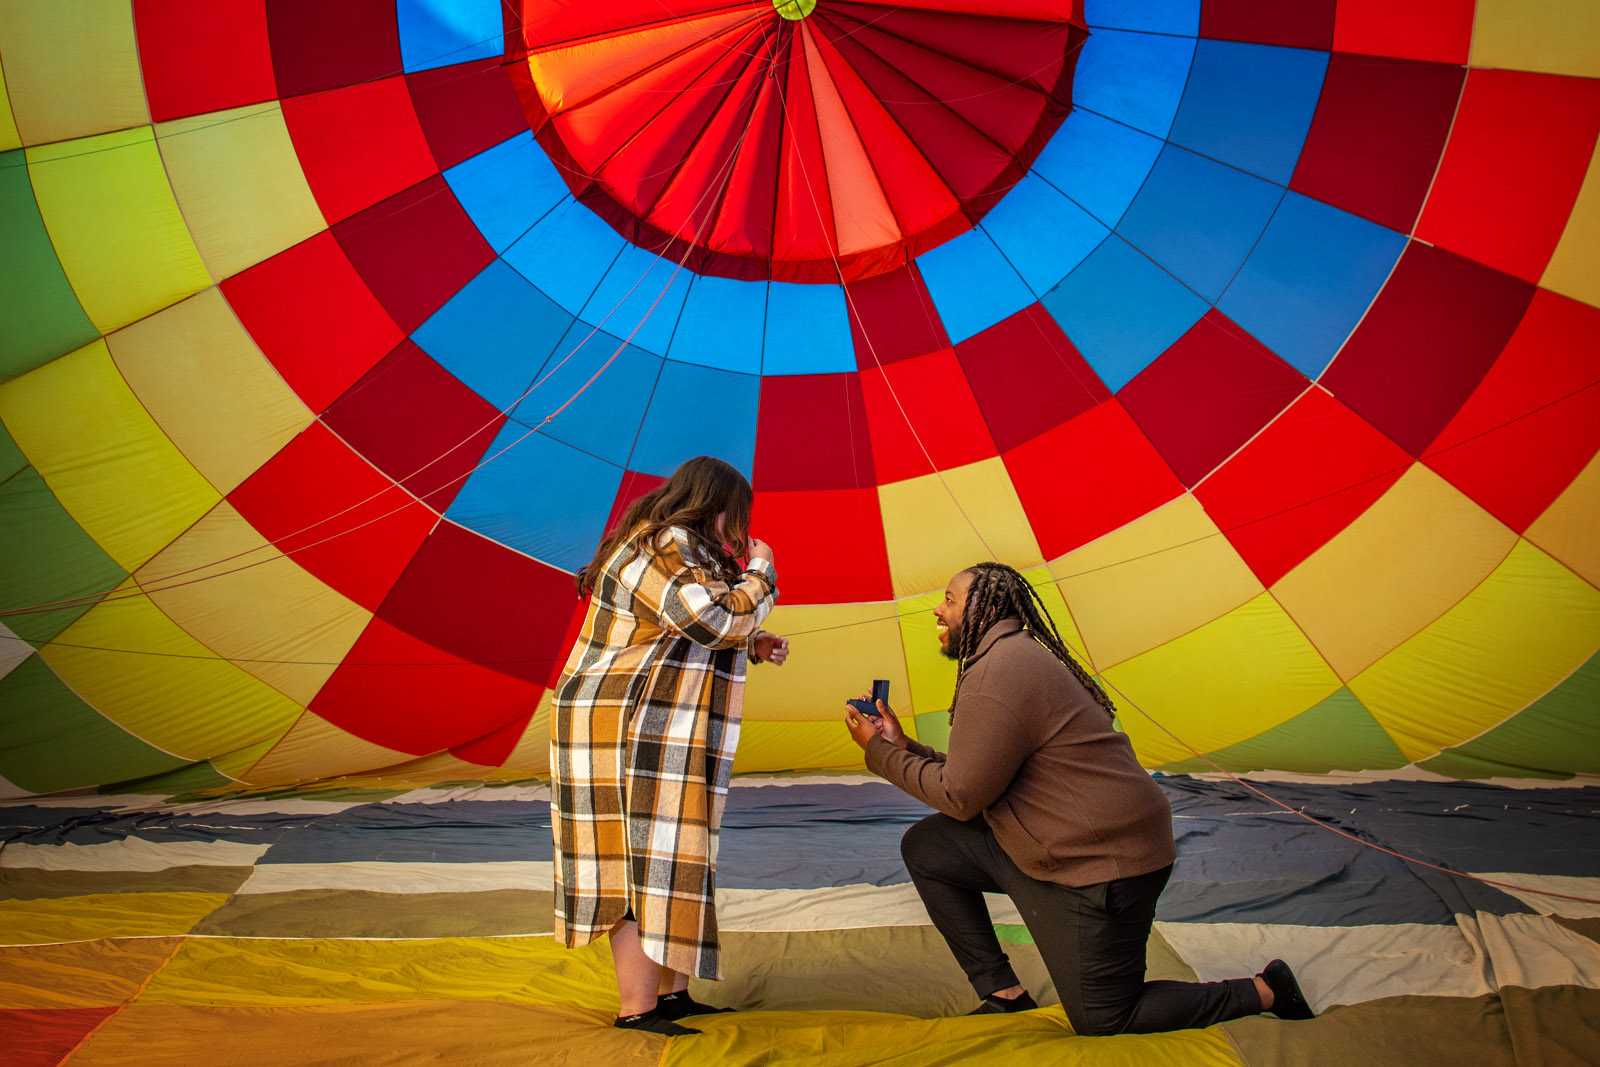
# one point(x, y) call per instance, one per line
point(1003, 628)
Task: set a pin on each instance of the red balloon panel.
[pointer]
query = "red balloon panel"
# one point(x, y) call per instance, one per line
point(1519, 148)
point(1286, 493)
point(465, 109)
point(831, 550)
point(1208, 394)
point(923, 417)
point(1534, 422)
point(318, 46)
point(417, 423)
point(314, 318)
point(893, 317)
point(298, 500)
point(1028, 377)
point(1426, 342)
point(1087, 477)
point(415, 250)
point(199, 56)
point(402, 693)
point(358, 145)
point(811, 433)
point(1302, 24)
point(481, 601)
point(1375, 140)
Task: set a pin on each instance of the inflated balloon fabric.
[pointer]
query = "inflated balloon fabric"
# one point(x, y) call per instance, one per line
point(1261, 338)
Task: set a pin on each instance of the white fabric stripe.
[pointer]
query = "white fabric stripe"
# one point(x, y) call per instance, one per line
point(848, 907)
point(467, 794)
point(132, 854)
point(1532, 951)
point(379, 877)
point(1568, 885)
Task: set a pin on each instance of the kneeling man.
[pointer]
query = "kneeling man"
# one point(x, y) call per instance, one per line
point(1042, 799)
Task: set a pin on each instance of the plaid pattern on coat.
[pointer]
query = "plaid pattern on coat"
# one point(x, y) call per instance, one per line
point(642, 737)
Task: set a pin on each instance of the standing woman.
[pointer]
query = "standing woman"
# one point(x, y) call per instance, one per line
point(643, 732)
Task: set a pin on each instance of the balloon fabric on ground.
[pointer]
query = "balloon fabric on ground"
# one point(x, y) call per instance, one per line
point(1261, 338)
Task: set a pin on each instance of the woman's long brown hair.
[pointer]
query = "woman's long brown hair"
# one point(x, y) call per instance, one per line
point(699, 491)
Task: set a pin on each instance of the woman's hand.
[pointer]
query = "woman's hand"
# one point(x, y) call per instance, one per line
point(759, 549)
point(771, 648)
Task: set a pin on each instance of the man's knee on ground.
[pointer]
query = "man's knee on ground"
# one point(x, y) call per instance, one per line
point(1099, 1021)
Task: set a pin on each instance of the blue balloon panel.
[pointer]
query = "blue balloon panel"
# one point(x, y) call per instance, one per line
point(1122, 311)
point(1199, 219)
point(1133, 78)
point(1250, 105)
point(972, 284)
point(1181, 17)
point(1042, 233)
point(1097, 163)
point(639, 299)
point(604, 415)
point(494, 332)
point(566, 254)
point(1309, 281)
point(808, 330)
point(438, 33)
point(697, 411)
point(540, 497)
point(506, 189)
point(721, 325)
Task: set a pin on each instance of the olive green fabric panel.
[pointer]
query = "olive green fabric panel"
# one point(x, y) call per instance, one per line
point(47, 558)
point(1394, 1030)
point(1554, 1026)
point(40, 317)
point(51, 740)
point(1338, 734)
point(1559, 732)
point(12, 461)
point(360, 913)
point(194, 778)
point(24, 883)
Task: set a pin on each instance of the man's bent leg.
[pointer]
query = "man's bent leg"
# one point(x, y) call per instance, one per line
point(951, 865)
point(1119, 1001)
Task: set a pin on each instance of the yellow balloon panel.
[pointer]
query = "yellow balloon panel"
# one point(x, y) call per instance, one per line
point(115, 225)
point(235, 764)
point(1528, 626)
point(315, 748)
point(1403, 563)
point(1569, 529)
point(931, 674)
point(107, 462)
point(1231, 679)
point(144, 673)
point(72, 68)
point(9, 137)
point(296, 630)
point(1150, 581)
point(1550, 36)
point(1571, 270)
point(785, 746)
point(838, 648)
point(531, 754)
point(206, 384)
point(937, 524)
point(239, 183)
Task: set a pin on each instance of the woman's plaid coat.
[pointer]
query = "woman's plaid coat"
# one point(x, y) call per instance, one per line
point(642, 736)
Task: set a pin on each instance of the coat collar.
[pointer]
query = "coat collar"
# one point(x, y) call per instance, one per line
point(1003, 628)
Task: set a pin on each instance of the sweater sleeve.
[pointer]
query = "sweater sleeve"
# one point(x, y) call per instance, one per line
point(987, 746)
point(712, 613)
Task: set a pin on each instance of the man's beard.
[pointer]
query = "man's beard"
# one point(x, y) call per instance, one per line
point(952, 640)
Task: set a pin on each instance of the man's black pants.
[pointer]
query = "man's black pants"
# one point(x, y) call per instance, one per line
point(1092, 938)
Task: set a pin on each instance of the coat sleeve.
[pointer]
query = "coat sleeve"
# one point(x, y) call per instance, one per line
point(987, 747)
point(711, 613)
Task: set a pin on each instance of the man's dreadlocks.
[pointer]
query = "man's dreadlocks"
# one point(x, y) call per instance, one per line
point(1000, 592)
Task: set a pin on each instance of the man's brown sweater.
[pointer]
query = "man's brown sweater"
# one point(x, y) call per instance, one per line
point(1035, 755)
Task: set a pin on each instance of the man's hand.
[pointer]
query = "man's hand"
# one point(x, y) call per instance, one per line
point(771, 648)
point(863, 729)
